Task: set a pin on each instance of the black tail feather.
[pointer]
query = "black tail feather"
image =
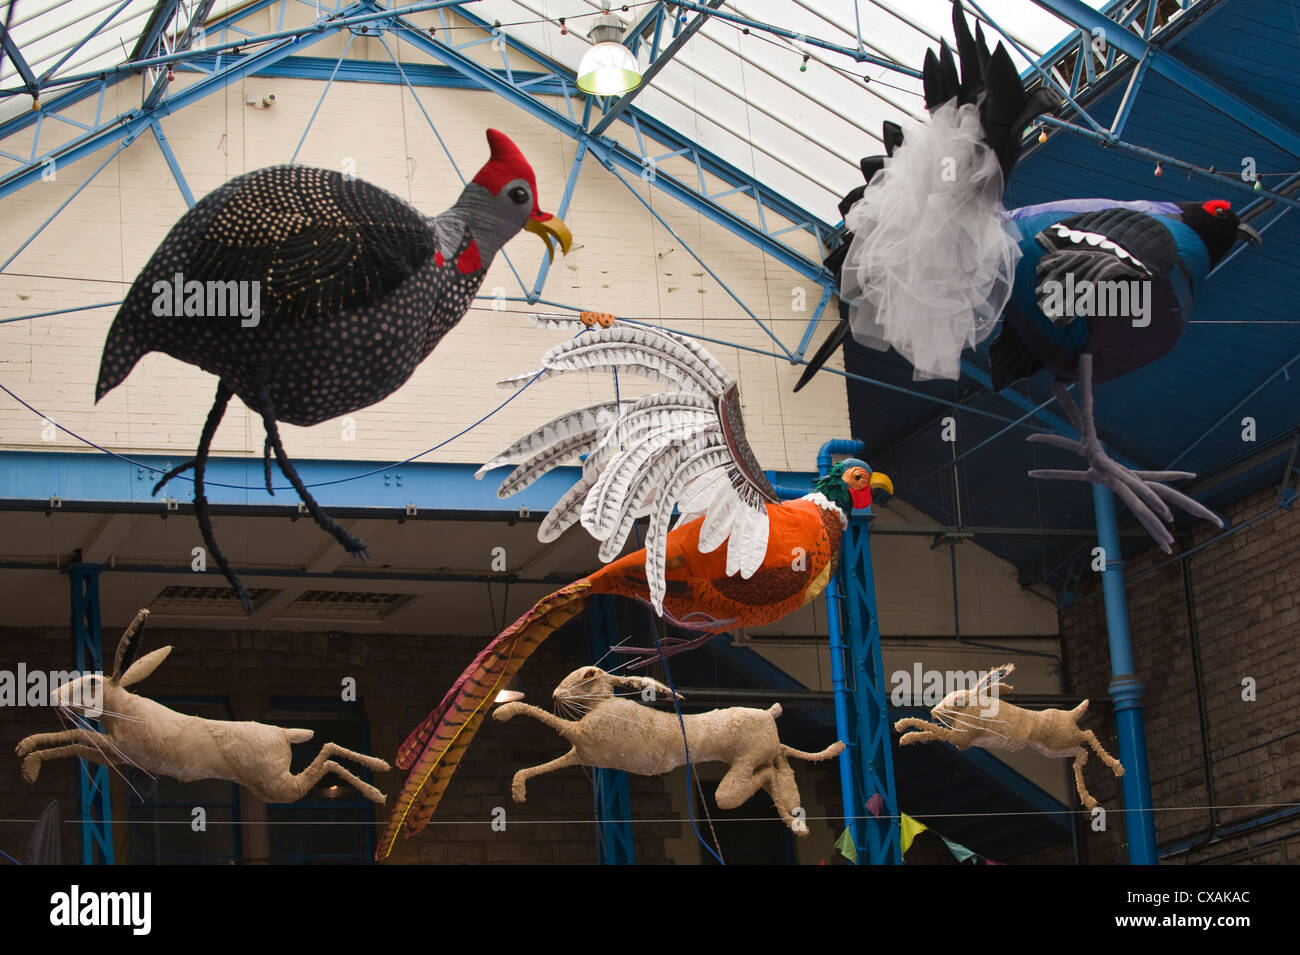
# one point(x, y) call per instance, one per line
point(1010, 358)
point(823, 354)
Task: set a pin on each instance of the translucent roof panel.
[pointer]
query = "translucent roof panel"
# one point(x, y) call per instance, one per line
point(744, 97)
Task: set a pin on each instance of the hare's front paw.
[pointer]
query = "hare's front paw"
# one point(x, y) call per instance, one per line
point(25, 746)
point(916, 736)
point(507, 710)
point(517, 791)
point(31, 768)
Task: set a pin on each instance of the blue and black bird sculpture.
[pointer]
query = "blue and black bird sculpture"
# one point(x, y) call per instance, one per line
point(1089, 289)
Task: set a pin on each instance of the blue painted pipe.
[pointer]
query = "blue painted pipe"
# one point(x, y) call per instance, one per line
point(848, 791)
point(837, 446)
point(1125, 689)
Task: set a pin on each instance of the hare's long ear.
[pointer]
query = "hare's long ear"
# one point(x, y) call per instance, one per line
point(994, 678)
point(140, 669)
point(128, 648)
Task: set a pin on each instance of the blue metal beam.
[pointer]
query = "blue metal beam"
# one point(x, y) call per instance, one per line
point(1136, 48)
point(33, 477)
point(861, 703)
point(612, 789)
point(10, 48)
point(183, 42)
point(153, 30)
point(544, 269)
point(94, 800)
point(172, 163)
point(1125, 689)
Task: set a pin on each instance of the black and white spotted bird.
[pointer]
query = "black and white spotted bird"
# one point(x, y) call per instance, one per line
point(1089, 289)
point(311, 294)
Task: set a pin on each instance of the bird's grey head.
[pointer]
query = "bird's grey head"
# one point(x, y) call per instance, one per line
point(501, 199)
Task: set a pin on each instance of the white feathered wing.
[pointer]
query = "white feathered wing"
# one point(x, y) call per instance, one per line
point(683, 448)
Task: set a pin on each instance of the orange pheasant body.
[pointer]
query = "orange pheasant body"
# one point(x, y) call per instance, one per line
point(803, 546)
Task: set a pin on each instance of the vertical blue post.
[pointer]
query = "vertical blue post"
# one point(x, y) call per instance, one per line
point(839, 689)
point(874, 756)
point(861, 714)
point(563, 211)
point(94, 798)
point(612, 792)
point(1125, 689)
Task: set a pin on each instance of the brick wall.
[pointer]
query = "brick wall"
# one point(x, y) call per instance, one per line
point(1247, 616)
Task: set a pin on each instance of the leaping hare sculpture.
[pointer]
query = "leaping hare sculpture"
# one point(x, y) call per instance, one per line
point(148, 735)
point(978, 717)
point(614, 732)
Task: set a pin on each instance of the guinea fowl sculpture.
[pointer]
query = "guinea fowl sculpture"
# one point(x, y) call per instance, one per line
point(1089, 289)
point(312, 294)
point(737, 556)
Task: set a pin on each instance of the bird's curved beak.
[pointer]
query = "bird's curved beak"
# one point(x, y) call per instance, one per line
point(550, 227)
point(882, 487)
point(1247, 234)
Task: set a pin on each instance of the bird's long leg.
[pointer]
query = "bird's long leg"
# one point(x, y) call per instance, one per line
point(266, 465)
point(1142, 491)
point(179, 469)
point(201, 512)
point(350, 542)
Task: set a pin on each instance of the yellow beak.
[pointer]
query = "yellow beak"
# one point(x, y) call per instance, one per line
point(552, 228)
point(880, 482)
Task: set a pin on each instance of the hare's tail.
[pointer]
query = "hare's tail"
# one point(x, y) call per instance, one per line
point(434, 748)
point(830, 751)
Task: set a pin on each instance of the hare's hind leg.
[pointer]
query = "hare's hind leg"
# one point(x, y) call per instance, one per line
point(741, 781)
point(370, 762)
point(290, 788)
point(1115, 765)
point(519, 784)
point(31, 767)
point(1081, 757)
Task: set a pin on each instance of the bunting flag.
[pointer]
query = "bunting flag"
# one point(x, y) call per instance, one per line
point(909, 829)
point(959, 851)
point(845, 844)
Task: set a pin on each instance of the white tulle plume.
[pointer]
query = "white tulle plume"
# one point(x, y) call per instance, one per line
point(931, 267)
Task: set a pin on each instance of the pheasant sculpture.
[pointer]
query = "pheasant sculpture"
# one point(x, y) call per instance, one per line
point(737, 557)
point(1088, 289)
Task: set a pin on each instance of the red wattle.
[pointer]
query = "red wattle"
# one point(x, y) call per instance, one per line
point(470, 260)
point(861, 498)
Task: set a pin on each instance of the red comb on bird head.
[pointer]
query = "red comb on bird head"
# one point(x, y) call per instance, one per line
point(506, 165)
point(1214, 205)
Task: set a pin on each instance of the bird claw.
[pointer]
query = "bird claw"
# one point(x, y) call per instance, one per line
point(1143, 492)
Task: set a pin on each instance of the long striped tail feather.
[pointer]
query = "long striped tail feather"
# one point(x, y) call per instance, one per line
point(434, 748)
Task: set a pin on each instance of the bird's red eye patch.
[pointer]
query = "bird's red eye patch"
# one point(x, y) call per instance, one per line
point(1214, 206)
